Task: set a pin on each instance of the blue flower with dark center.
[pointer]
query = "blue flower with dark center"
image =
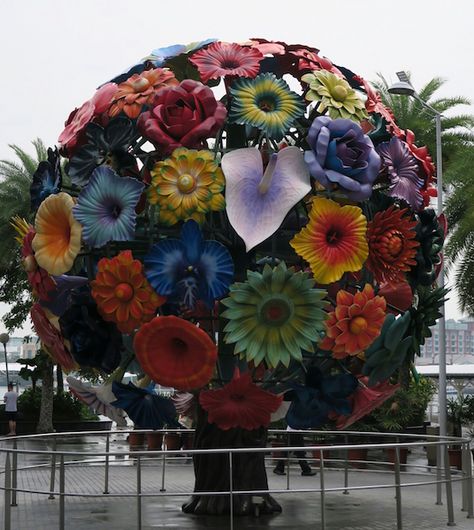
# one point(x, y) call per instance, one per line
point(47, 179)
point(106, 207)
point(190, 268)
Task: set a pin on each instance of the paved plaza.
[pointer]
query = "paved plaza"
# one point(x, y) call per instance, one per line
point(359, 510)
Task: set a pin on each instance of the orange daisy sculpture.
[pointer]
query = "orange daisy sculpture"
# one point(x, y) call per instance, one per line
point(123, 294)
point(175, 353)
point(334, 240)
point(58, 235)
point(140, 90)
point(355, 323)
point(392, 242)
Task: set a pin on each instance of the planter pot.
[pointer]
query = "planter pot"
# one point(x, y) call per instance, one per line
point(455, 458)
point(390, 453)
point(136, 441)
point(360, 455)
point(154, 440)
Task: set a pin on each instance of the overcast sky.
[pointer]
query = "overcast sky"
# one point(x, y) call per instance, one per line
point(53, 54)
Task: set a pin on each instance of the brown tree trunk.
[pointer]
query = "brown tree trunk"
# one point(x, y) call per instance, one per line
point(212, 471)
point(45, 422)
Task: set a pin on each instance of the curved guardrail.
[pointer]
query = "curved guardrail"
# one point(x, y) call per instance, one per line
point(59, 460)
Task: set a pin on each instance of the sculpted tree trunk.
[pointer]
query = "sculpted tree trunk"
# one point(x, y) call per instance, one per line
point(45, 422)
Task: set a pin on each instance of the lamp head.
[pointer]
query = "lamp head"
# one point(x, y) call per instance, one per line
point(4, 338)
point(402, 88)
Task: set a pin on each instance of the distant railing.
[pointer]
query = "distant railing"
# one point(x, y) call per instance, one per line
point(63, 459)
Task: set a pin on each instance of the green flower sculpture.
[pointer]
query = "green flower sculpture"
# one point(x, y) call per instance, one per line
point(267, 103)
point(274, 315)
point(334, 95)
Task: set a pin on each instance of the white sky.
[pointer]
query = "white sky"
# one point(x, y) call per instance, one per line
point(54, 53)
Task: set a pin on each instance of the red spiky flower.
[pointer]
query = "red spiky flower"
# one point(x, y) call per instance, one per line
point(392, 244)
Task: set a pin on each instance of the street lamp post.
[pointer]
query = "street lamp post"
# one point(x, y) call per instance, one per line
point(405, 88)
point(4, 338)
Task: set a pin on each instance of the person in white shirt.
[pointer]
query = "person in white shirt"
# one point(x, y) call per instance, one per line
point(10, 399)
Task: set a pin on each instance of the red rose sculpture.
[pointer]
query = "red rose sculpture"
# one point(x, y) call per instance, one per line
point(182, 116)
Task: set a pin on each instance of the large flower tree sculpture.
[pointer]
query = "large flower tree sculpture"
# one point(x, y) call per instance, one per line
point(244, 223)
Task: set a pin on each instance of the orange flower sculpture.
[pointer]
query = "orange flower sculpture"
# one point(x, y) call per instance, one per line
point(392, 243)
point(355, 323)
point(58, 235)
point(140, 90)
point(334, 240)
point(175, 353)
point(123, 294)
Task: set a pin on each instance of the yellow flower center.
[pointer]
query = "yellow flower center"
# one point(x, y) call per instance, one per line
point(358, 325)
point(140, 84)
point(186, 183)
point(339, 93)
point(123, 291)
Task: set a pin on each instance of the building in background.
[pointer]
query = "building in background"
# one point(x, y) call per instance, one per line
point(18, 348)
point(459, 343)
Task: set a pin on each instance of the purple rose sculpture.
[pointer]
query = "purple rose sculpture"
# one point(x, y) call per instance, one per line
point(342, 154)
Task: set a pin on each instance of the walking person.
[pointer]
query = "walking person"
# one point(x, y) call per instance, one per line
point(10, 399)
point(296, 439)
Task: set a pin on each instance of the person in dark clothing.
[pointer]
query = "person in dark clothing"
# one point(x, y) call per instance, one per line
point(295, 439)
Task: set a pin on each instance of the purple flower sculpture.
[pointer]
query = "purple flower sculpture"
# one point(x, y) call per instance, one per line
point(106, 207)
point(402, 170)
point(341, 154)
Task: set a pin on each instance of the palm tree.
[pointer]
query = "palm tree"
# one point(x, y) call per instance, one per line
point(457, 133)
point(15, 181)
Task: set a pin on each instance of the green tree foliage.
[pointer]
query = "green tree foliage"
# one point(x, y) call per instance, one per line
point(15, 180)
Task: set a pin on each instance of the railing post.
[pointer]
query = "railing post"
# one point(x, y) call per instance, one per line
point(321, 481)
point(449, 487)
point(163, 468)
point(465, 461)
point(53, 470)
point(346, 466)
point(107, 457)
point(288, 461)
point(14, 474)
point(139, 492)
point(8, 491)
point(231, 492)
point(398, 492)
point(62, 482)
point(439, 463)
point(470, 508)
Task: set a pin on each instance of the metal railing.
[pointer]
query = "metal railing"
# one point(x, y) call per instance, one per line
point(397, 441)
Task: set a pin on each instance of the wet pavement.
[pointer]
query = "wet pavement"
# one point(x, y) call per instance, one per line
point(360, 509)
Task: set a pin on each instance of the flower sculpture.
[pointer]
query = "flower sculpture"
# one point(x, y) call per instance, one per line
point(58, 235)
point(106, 207)
point(334, 240)
point(355, 323)
point(186, 185)
point(342, 157)
point(246, 206)
point(334, 95)
point(267, 103)
point(190, 268)
point(274, 316)
point(240, 403)
point(175, 353)
point(122, 292)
